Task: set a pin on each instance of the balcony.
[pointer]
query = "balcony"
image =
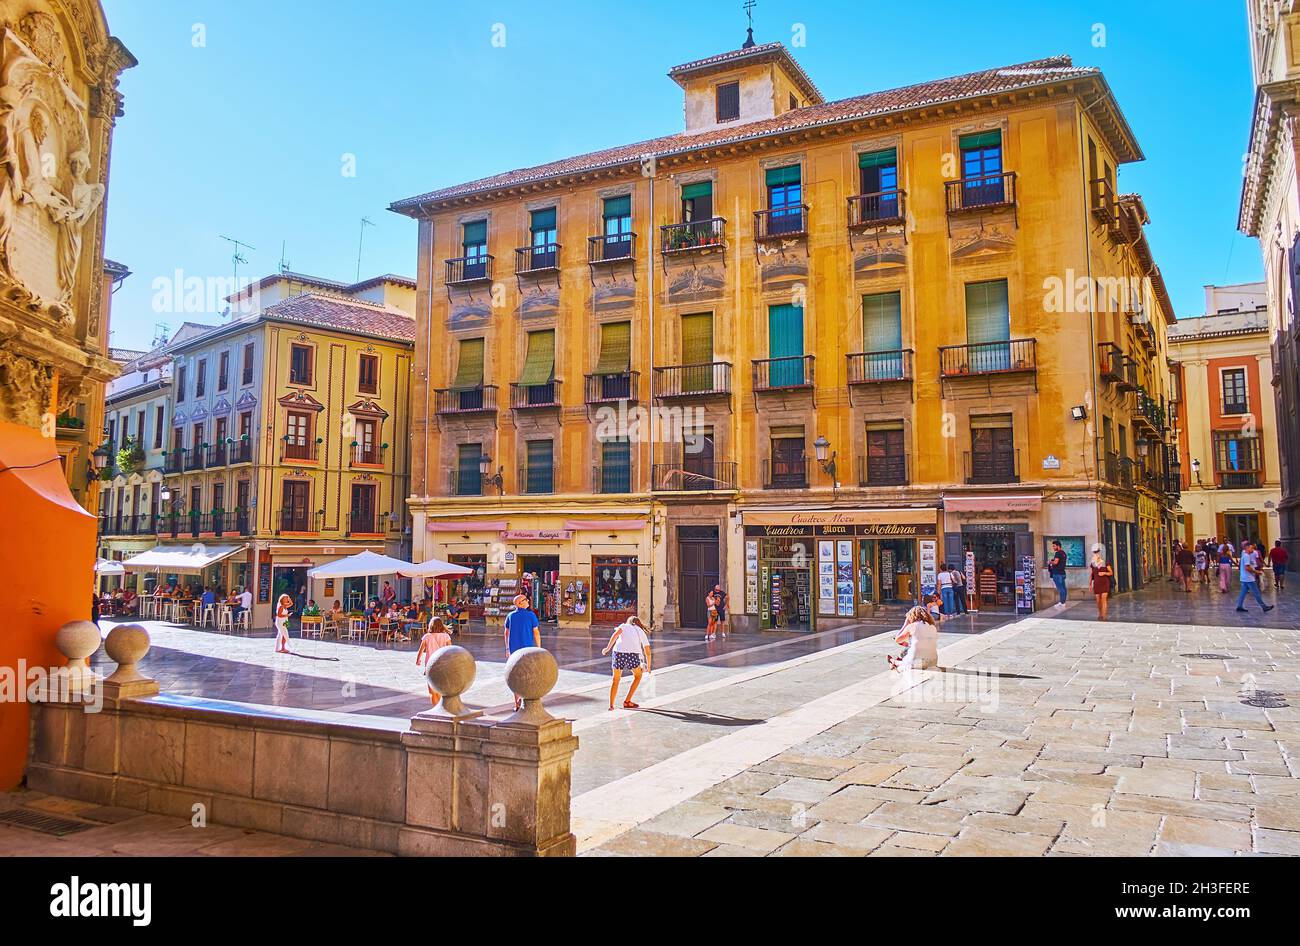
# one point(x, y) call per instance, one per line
point(542, 258)
point(467, 270)
point(711, 379)
point(783, 374)
point(987, 358)
point(1105, 209)
point(986, 192)
point(1110, 362)
point(786, 223)
point(465, 483)
point(881, 209)
point(194, 458)
point(1119, 470)
point(168, 524)
point(363, 523)
point(885, 470)
point(611, 478)
point(874, 367)
point(785, 473)
point(217, 455)
point(371, 454)
point(241, 451)
point(537, 479)
point(693, 235)
point(298, 449)
point(611, 388)
point(174, 461)
point(480, 400)
point(243, 524)
point(693, 474)
point(296, 521)
point(534, 396)
point(613, 248)
point(998, 466)
point(143, 523)
point(1241, 479)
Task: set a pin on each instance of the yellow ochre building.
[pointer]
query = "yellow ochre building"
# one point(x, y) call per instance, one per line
point(809, 350)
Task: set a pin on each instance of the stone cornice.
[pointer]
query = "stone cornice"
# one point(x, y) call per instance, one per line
point(1271, 101)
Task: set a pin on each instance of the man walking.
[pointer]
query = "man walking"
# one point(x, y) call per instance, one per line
point(720, 602)
point(1250, 571)
point(1186, 562)
point(1278, 557)
point(1056, 569)
point(522, 630)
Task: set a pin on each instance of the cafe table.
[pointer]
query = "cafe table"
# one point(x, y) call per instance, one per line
point(310, 625)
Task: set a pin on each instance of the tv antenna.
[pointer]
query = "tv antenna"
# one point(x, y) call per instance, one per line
point(284, 263)
point(365, 222)
point(238, 257)
point(161, 332)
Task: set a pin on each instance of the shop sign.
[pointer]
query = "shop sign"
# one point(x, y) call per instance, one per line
point(995, 527)
point(844, 578)
point(537, 535)
point(826, 578)
point(928, 566)
point(751, 576)
point(900, 530)
point(853, 517)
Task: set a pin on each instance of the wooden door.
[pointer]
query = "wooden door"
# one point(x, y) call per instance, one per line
point(697, 573)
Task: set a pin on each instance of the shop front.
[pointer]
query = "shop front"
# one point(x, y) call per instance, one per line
point(805, 570)
point(991, 540)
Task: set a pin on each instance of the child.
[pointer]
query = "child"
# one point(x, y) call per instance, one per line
point(921, 636)
point(433, 640)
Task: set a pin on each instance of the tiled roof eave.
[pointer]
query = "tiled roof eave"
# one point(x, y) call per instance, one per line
point(283, 319)
point(425, 203)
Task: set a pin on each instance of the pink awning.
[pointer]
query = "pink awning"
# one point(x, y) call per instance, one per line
point(603, 525)
point(476, 525)
point(992, 503)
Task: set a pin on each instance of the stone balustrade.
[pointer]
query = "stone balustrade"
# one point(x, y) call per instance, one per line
point(450, 782)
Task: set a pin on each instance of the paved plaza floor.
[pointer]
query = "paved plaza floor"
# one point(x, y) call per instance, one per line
point(1172, 729)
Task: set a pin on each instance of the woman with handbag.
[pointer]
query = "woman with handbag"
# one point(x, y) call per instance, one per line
point(1102, 574)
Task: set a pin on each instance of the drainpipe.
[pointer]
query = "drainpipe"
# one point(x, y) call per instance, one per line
point(428, 377)
point(1092, 320)
point(650, 289)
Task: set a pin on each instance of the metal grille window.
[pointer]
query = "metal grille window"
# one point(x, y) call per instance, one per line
point(1234, 391)
point(469, 480)
point(539, 469)
point(728, 101)
point(615, 466)
point(1237, 459)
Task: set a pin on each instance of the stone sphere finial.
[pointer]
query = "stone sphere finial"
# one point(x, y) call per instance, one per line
point(78, 641)
point(127, 644)
point(451, 672)
point(531, 674)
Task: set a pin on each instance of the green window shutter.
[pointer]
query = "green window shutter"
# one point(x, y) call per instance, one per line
point(543, 219)
point(882, 322)
point(539, 363)
point(615, 348)
point(878, 159)
point(785, 340)
point(777, 177)
point(618, 207)
point(475, 233)
point(469, 364)
point(692, 191)
point(988, 318)
point(469, 479)
point(697, 339)
point(985, 139)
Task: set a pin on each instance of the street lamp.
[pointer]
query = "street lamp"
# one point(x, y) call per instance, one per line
point(99, 461)
point(1196, 470)
point(491, 479)
point(825, 457)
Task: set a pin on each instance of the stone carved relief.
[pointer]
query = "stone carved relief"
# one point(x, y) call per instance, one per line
point(982, 241)
point(785, 260)
point(46, 198)
point(617, 293)
point(885, 250)
point(694, 283)
point(539, 302)
point(24, 389)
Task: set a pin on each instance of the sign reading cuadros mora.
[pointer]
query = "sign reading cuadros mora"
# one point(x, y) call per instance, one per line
point(901, 523)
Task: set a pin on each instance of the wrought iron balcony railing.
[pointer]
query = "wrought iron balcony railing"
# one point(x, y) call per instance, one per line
point(996, 466)
point(870, 367)
point(608, 388)
point(611, 248)
point(785, 473)
point(880, 209)
point(783, 223)
point(985, 192)
point(535, 396)
point(465, 270)
point(780, 374)
point(539, 258)
point(982, 358)
point(693, 474)
point(693, 235)
point(479, 400)
point(882, 470)
point(711, 379)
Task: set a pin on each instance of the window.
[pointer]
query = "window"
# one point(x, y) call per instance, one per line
point(219, 440)
point(542, 245)
point(196, 440)
point(139, 428)
point(180, 383)
point(981, 169)
point(1094, 189)
point(788, 466)
point(196, 500)
point(300, 364)
point(158, 414)
point(474, 247)
point(200, 377)
point(539, 368)
point(468, 383)
point(785, 346)
point(246, 425)
point(539, 466)
point(223, 371)
point(1234, 390)
point(1237, 460)
point(248, 364)
point(297, 444)
point(794, 102)
point(365, 433)
point(295, 506)
point(882, 335)
point(613, 369)
point(728, 101)
point(993, 453)
point(886, 461)
point(697, 352)
point(615, 466)
point(617, 216)
point(368, 374)
point(785, 200)
point(467, 477)
point(178, 443)
point(988, 326)
point(697, 461)
point(697, 201)
point(362, 517)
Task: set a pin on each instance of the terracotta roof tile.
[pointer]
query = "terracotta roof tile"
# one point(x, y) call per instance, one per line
point(973, 84)
point(345, 315)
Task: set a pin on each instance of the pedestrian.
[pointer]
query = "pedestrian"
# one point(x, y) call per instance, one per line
point(1186, 564)
point(1056, 569)
point(720, 602)
point(94, 607)
point(388, 596)
point(1176, 575)
point(1249, 573)
point(711, 608)
point(933, 604)
point(283, 610)
point(921, 636)
point(944, 579)
point(1102, 576)
point(434, 639)
point(631, 646)
point(1202, 564)
point(1278, 557)
point(959, 589)
point(522, 630)
point(1225, 566)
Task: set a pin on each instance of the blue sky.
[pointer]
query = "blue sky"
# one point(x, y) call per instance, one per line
point(241, 114)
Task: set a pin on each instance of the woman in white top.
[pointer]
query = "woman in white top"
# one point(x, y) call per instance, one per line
point(283, 608)
point(921, 636)
point(631, 646)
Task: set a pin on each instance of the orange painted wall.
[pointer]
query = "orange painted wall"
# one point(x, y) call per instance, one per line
point(1233, 422)
point(47, 557)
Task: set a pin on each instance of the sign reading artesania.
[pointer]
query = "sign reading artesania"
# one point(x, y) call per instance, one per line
point(842, 517)
point(77, 899)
